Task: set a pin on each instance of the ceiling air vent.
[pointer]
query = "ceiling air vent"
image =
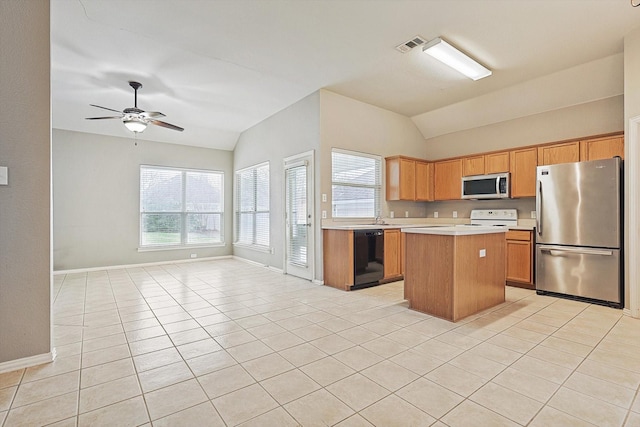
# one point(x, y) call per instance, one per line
point(410, 44)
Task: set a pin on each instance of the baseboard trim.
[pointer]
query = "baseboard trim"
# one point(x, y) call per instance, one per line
point(277, 270)
point(318, 282)
point(146, 264)
point(27, 362)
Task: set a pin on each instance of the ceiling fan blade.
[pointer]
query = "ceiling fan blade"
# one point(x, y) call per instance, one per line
point(152, 114)
point(166, 125)
point(102, 118)
point(105, 108)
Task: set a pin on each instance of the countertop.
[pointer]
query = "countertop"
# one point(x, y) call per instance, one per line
point(457, 230)
point(526, 225)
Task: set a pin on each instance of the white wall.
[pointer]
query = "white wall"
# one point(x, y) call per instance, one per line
point(25, 148)
point(631, 109)
point(592, 118)
point(292, 131)
point(96, 198)
point(353, 125)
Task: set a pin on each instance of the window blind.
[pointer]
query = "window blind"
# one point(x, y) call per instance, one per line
point(180, 206)
point(252, 206)
point(355, 184)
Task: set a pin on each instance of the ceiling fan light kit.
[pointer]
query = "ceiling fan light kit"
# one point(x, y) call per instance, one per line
point(135, 119)
point(449, 55)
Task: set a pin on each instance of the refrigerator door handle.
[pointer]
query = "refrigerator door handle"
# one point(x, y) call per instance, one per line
point(552, 250)
point(539, 209)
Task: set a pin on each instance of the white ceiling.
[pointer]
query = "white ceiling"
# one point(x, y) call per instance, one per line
point(218, 67)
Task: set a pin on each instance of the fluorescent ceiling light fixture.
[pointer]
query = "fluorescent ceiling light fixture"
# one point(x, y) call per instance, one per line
point(446, 53)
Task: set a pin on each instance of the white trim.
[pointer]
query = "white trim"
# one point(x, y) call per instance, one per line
point(318, 282)
point(146, 264)
point(178, 248)
point(27, 362)
point(259, 165)
point(632, 166)
point(277, 270)
point(248, 261)
point(257, 248)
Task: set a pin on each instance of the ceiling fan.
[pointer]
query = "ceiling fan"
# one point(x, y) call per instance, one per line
point(135, 119)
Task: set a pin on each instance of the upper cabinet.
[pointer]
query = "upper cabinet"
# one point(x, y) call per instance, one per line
point(473, 166)
point(602, 148)
point(485, 164)
point(408, 179)
point(523, 172)
point(559, 153)
point(424, 181)
point(496, 162)
point(447, 178)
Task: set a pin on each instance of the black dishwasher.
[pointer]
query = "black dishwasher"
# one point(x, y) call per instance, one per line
point(368, 256)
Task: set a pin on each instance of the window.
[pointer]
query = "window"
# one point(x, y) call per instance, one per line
point(252, 206)
point(180, 207)
point(355, 184)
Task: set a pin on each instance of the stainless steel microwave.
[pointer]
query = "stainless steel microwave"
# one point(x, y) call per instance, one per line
point(494, 186)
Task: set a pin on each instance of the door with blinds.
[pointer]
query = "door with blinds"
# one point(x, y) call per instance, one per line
point(299, 224)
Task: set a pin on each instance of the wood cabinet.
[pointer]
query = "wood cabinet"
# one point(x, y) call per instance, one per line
point(601, 148)
point(408, 179)
point(486, 164)
point(519, 262)
point(473, 166)
point(424, 181)
point(338, 258)
point(522, 166)
point(496, 162)
point(559, 153)
point(392, 254)
point(447, 178)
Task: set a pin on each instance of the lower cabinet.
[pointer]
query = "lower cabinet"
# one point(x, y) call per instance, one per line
point(520, 259)
point(392, 255)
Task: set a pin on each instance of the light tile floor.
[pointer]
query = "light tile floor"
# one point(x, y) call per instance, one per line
point(228, 343)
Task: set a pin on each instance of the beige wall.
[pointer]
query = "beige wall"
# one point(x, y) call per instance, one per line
point(96, 198)
point(593, 118)
point(291, 131)
point(631, 110)
point(25, 147)
point(353, 125)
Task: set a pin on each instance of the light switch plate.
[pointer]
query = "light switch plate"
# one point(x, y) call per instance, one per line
point(4, 175)
point(406, 214)
point(391, 214)
point(324, 197)
point(324, 214)
point(533, 214)
point(483, 253)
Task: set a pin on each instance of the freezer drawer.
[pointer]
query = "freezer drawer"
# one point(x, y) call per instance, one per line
point(584, 272)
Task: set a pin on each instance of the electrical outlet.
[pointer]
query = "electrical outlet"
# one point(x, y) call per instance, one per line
point(406, 214)
point(194, 255)
point(483, 253)
point(435, 214)
point(4, 175)
point(391, 214)
point(324, 214)
point(533, 214)
point(324, 197)
point(455, 214)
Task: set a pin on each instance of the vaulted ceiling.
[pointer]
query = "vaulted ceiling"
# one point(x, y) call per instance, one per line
point(218, 67)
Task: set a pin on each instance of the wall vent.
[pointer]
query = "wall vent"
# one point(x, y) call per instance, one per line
point(410, 44)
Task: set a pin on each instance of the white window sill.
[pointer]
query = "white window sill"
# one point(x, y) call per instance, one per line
point(263, 249)
point(179, 247)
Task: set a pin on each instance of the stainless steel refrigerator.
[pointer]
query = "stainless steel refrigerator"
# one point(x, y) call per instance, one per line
point(579, 230)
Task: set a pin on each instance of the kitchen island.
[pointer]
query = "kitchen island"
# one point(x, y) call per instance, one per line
point(454, 272)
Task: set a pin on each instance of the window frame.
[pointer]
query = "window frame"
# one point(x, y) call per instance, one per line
point(377, 188)
point(184, 212)
point(254, 210)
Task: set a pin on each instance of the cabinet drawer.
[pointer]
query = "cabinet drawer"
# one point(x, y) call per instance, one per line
point(518, 235)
